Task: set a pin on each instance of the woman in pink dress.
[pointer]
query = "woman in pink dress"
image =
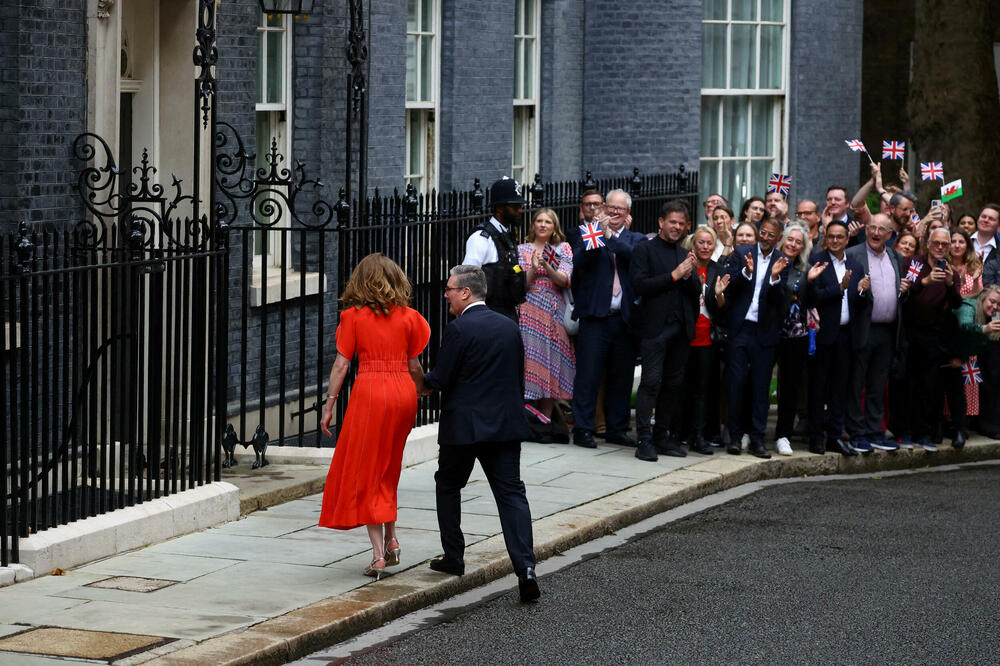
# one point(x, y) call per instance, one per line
point(969, 271)
point(549, 362)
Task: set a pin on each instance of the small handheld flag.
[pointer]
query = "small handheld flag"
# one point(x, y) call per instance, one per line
point(550, 255)
point(952, 190)
point(592, 236)
point(913, 272)
point(893, 150)
point(931, 171)
point(780, 183)
point(537, 413)
point(971, 372)
point(858, 147)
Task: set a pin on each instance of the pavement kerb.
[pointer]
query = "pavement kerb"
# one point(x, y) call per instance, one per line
point(300, 632)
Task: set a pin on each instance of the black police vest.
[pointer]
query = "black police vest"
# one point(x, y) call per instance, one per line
point(505, 281)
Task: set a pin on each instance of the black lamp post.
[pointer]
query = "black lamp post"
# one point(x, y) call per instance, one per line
point(296, 7)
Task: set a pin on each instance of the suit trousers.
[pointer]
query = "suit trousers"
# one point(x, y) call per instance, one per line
point(932, 382)
point(501, 461)
point(603, 343)
point(828, 387)
point(989, 390)
point(750, 365)
point(663, 361)
point(868, 379)
point(792, 355)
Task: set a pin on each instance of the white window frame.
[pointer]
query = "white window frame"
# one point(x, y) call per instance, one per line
point(529, 145)
point(427, 111)
point(780, 118)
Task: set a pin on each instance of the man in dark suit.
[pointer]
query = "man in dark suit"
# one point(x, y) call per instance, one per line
point(664, 278)
point(873, 299)
point(480, 373)
point(830, 371)
point(754, 317)
point(603, 295)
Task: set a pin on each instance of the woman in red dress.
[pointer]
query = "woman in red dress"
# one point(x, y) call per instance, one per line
point(387, 335)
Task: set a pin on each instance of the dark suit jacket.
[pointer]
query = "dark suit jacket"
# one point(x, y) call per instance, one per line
point(480, 373)
point(826, 296)
point(793, 277)
point(594, 273)
point(861, 304)
point(739, 295)
point(652, 263)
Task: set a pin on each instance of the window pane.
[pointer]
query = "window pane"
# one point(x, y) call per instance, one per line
point(715, 9)
point(708, 178)
point(744, 57)
point(713, 56)
point(772, 10)
point(518, 69)
point(411, 15)
point(734, 121)
point(733, 185)
point(427, 16)
point(770, 56)
point(411, 68)
point(744, 10)
point(518, 137)
point(518, 25)
point(261, 65)
point(529, 68)
point(529, 17)
point(415, 143)
point(760, 173)
point(427, 69)
point(710, 126)
point(275, 67)
point(763, 126)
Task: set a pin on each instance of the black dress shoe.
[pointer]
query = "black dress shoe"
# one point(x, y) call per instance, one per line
point(645, 450)
point(838, 445)
point(527, 585)
point(959, 440)
point(584, 439)
point(758, 449)
point(734, 448)
point(619, 438)
point(670, 447)
point(444, 565)
point(701, 446)
point(990, 434)
point(817, 447)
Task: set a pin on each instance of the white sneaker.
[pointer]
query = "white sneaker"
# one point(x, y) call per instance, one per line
point(745, 442)
point(784, 446)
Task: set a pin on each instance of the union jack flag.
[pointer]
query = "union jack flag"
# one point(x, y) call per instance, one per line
point(893, 150)
point(592, 236)
point(931, 171)
point(780, 183)
point(971, 372)
point(913, 272)
point(537, 413)
point(551, 256)
point(856, 145)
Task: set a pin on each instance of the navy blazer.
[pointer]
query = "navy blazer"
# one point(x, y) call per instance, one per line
point(594, 274)
point(739, 295)
point(826, 296)
point(861, 304)
point(480, 373)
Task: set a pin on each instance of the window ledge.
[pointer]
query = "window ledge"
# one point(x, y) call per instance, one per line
point(271, 291)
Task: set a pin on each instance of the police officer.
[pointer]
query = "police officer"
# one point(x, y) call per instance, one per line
point(493, 246)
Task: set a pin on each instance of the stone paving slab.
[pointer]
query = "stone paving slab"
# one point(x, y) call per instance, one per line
point(274, 586)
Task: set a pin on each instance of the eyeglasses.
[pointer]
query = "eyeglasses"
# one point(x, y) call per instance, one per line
point(881, 230)
point(590, 204)
point(447, 289)
point(939, 243)
point(617, 209)
point(806, 212)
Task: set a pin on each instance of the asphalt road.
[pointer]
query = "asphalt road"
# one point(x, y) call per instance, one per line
point(895, 570)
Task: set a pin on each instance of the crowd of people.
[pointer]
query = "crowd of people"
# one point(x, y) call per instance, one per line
point(881, 327)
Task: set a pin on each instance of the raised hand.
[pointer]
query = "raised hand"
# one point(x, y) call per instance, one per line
point(816, 270)
point(904, 178)
point(853, 227)
point(684, 269)
point(846, 281)
point(748, 262)
point(536, 259)
point(864, 284)
point(720, 284)
point(779, 265)
point(949, 275)
point(904, 286)
point(877, 175)
point(826, 216)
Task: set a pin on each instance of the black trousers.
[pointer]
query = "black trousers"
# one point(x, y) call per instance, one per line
point(751, 363)
point(603, 343)
point(663, 360)
point(699, 412)
point(792, 356)
point(868, 379)
point(932, 382)
point(501, 461)
point(989, 390)
point(828, 386)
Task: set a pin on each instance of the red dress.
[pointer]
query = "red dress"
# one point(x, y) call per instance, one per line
point(361, 485)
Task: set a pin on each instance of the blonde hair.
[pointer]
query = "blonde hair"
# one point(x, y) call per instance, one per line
point(557, 233)
point(379, 283)
point(980, 317)
point(688, 242)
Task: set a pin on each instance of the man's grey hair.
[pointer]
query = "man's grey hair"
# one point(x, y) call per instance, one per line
point(943, 230)
point(898, 197)
point(628, 197)
point(473, 277)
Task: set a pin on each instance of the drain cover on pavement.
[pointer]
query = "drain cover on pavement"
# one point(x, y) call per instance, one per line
point(133, 584)
point(58, 642)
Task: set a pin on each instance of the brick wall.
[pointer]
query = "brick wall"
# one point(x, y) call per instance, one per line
point(387, 98)
point(561, 138)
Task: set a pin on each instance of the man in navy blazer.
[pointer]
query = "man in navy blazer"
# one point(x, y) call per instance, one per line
point(480, 373)
point(831, 365)
point(603, 303)
point(754, 300)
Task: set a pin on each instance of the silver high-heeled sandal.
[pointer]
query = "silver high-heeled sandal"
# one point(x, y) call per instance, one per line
point(374, 571)
point(392, 553)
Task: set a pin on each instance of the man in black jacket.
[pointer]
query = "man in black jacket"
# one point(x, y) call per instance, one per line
point(664, 279)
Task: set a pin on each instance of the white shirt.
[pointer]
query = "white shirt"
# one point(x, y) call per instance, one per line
point(472, 305)
point(480, 249)
point(840, 268)
point(761, 265)
point(616, 301)
point(984, 249)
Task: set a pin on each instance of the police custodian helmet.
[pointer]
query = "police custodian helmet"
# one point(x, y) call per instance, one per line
point(506, 191)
